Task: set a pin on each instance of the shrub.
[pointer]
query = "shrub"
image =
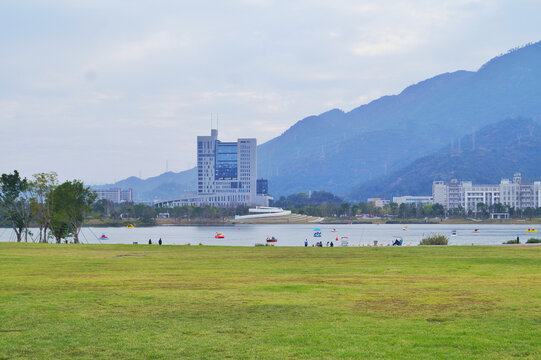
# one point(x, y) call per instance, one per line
point(533, 241)
point(512, 242)
point(435, 240)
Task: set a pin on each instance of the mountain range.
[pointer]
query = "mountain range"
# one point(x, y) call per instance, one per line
point(349, 153)
point(485, 157)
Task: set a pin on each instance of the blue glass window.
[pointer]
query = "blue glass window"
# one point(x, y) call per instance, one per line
point(226, 161)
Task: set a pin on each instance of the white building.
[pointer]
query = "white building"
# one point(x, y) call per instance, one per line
point(226, 174)
point(516, 193)
point(116, 195)
point(378, 202)
point(409, 199)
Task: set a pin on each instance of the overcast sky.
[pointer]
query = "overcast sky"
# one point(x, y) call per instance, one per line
point(100, 90)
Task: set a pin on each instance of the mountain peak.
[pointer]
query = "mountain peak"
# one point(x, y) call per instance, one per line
point(520, 56)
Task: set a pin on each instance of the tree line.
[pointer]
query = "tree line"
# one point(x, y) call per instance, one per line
point(57, 210)
point(325, 204)
point(146, 214)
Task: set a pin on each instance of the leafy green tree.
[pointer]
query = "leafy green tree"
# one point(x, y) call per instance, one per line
point(482, 210)
point(391, 208)
point(403, 211)
point(103, 207)
point(438, 210)
point(345, 209)
point(72, 202)
point(14, 200)
point(42, 200)
point(59, 226)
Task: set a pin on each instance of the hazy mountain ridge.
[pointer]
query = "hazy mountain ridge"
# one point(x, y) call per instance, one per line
point(500, 150)
point(430, 113)
point(337, 151)
point(165, 186)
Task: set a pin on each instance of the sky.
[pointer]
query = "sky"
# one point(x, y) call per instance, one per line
point(101, 90)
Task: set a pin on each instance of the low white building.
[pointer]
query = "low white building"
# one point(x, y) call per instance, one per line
point(409, 199)
point(378, 202)
point(116, 195)
point(517, 193)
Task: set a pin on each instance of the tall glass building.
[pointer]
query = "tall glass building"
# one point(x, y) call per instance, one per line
point(226, 174)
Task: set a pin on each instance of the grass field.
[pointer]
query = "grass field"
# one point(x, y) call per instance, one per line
point(201, 302)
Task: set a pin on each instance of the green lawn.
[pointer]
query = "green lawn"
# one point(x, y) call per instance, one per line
point(201, 302)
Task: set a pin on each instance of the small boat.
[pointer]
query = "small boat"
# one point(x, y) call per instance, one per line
point(476, 231)
point(130, 226)
point(272, 239)
point(405, 228)
point(219, 235)
point(333, 230)
point(453, 233)
point(532, 230)
point(103, 237)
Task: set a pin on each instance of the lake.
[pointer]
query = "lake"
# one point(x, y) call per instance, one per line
point(295, 234)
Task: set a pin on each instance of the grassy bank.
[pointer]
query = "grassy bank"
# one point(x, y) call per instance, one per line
point(172, 302)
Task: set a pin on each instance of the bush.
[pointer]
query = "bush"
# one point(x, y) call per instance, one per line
point(533, 241)
point(512, 242)
point(435, 240)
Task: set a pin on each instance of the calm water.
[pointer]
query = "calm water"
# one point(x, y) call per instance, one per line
point(294, 235)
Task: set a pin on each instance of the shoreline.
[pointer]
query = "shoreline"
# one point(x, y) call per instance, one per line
point(231, 222)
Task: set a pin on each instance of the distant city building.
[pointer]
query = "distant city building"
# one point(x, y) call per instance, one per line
point(226, 175)
point(422, 200)
point(378, 202)
point(517, 193)
point(116, 195)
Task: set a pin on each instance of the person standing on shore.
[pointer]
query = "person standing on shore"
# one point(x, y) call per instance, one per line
point(160, 241)
point(305, 242)
point(150, 241)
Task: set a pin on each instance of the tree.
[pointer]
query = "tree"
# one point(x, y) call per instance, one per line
point(13, 197)
point(103, 207)
point(345, 209)
point(393, 208)
point(42, 200)
point(72, 202)
point(482, 209)
point(428, 210)
point(403, 211)
point(438, 210)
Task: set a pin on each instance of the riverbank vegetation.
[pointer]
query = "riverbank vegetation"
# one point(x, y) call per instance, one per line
point(324, 204)
point(435, 239)
point(200, 302)
point(58, 210)
point(107, 211)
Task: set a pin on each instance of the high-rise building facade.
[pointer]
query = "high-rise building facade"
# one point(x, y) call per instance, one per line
point(116, 195)
point(226, 174)
point(516, 193)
